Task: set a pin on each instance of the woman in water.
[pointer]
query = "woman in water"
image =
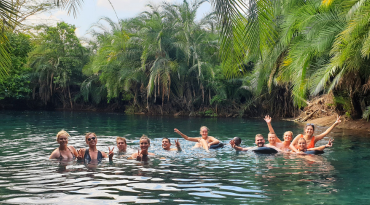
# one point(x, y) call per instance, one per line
point(205, 141)
point(144, 147)
point(310, 139)
point(92, 153)
point(302, 146)
point(64, 151)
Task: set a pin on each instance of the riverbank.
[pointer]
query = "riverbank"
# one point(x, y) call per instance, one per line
point(358, 125)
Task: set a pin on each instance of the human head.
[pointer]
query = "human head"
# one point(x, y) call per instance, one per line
point(144, 142)
point(166, 143)
point(309, 129)
point(237, 141)
point(288, 136)
point(204, 131)
point(121, 143)
point(271, 138)
point(62, 133)
point(62, 137)
point(259, 140)
point(90, 135)
point(302, 144)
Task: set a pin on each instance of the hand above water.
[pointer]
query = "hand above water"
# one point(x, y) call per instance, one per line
point(177, 131)
point(267, 119)
point(232, 143)
point(177, 143)
point(338, 120)
point(330, 143)
point(79, 154)
point(111, 153)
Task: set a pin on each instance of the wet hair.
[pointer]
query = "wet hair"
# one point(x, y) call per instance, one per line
point(121, 138)
point(204, 127)
point(144, 137)
point(167, 139)
point(62, 132)
point(237, 141)
point(88, 134)
point(258, 135)
point(309, 124)
point(301, 139)
point(291, 133)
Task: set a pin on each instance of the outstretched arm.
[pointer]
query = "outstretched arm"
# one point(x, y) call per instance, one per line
point(321, 148)
point(322, 135)
point(237, 148)
point(193, 139)
point(271, 130)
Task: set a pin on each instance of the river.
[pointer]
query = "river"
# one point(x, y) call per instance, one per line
point(27, 176)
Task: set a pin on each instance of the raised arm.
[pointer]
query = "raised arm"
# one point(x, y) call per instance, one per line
point(321, 148)
point(294, 143)
point(193, 139)
point(271, 130)
point(237, 148)
point(322, 135)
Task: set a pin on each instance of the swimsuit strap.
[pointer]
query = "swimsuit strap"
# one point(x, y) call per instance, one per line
point(60, 154)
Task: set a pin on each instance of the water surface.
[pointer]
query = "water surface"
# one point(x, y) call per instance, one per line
point(339, 176)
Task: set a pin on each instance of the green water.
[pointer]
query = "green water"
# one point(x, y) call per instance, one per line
point(339, 176)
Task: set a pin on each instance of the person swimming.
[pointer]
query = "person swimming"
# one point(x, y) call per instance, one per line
point(302, 146)
point(92, 153)
point(259, 140)
point(205, 141)
point(121, 144)
point(274, 140)
point(142, 153)
point(166, 145)
point(310, 139)
point(64, 151)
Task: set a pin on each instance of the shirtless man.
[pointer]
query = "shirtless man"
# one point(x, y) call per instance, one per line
point(205, 141)
point(121, 144)
point(166, 145)
point(259, 140)
point(275, 141)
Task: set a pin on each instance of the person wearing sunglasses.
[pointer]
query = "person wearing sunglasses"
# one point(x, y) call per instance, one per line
point(92, 153)
point(64, 151)
point(310, 139)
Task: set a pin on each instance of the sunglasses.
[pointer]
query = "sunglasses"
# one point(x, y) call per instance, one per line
point(93, 138)
point(310, 124)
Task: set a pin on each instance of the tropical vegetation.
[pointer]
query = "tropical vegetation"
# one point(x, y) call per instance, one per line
point(245, 58)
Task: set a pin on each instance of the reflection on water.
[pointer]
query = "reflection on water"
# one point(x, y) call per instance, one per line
point(192, 176)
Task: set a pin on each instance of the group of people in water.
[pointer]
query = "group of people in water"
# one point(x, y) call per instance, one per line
point(300, 145)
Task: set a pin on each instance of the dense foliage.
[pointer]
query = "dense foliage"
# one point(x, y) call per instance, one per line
point(255, 57)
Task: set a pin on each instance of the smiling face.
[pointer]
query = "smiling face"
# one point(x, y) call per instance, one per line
point(121, 145)
point(309, 130)
point(166, 145)
point(272, 138)
point(62, 139)
point(288, 136)
point(260, 142)
point(144, 144)
point(302, 144)
point(91, 140)
point(204, 132)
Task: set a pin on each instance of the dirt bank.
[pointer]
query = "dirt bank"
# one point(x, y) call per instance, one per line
point(358, 125)
point(322, 111)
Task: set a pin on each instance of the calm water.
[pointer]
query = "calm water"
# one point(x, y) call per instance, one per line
point(339, 176)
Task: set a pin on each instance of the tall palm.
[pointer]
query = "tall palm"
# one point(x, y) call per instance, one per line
point(7, 14)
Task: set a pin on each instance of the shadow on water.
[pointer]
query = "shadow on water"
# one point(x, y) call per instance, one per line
point(192, 176)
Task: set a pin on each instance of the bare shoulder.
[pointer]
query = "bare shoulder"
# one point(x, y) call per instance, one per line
point(71, 147)
point(54, 154)
point(104, 154)
point(151, 154)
